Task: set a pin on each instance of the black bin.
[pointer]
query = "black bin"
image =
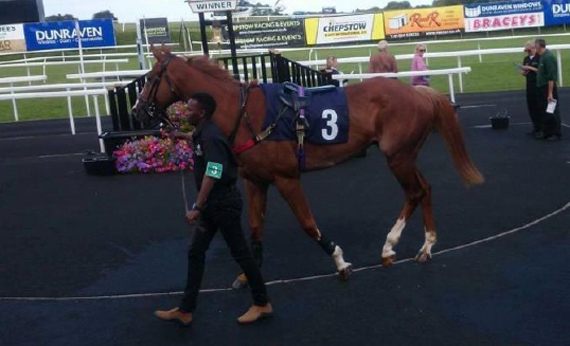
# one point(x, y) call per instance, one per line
point(99, 165)
point(500, 123)
point(113, 140)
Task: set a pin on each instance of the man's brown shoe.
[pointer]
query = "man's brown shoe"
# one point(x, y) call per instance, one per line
point(256, 313)
point(175, 315)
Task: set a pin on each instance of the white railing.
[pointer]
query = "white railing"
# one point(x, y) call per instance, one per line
point(64, 86)
point(12, 80)
point(57, 94)
point(103, 75)
point(365, 60)
point(448, 72)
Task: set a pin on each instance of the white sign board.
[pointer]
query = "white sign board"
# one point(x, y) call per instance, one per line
point(200, 6)
point(12, 38)
point(344, 29)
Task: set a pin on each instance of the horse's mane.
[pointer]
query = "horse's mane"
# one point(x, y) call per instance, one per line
point(211, 68)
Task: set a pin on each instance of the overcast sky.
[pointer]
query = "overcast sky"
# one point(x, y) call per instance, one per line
point(130, 10)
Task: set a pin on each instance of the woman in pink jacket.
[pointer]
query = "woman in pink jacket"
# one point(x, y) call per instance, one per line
point(418, 64)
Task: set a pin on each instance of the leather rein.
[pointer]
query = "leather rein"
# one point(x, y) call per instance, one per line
point(148, 104)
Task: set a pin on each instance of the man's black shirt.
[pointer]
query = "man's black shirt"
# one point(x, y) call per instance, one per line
point(213, 154)
point(531, 75)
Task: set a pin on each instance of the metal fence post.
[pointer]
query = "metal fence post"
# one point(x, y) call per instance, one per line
point(98, 121)
point(459, 74)
point(559, 58)
point(14, 102)
point(451, 91)
point(70, 111)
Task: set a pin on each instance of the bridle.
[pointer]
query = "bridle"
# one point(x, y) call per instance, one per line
point(157, 115)
point(148, 104)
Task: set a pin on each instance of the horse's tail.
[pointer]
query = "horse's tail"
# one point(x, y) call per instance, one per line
point(447, 123)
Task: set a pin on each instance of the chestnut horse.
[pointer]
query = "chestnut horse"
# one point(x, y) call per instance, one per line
point(385, 111)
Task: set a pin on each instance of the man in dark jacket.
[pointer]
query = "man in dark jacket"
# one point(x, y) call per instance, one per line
point(218, 207)
point(548, 102)
point(532, 60)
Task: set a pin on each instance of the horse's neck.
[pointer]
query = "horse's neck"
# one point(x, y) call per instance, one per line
point(226, 94)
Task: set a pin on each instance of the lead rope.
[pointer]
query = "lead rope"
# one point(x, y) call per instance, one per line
point(183, 182)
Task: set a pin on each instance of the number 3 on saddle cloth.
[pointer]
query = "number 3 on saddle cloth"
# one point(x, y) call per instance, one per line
point(325, 112)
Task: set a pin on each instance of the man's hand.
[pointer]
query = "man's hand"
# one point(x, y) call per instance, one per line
point(179, 135)
point(192, 216)
point(550, 98)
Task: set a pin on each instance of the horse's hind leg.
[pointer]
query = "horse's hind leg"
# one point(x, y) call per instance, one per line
point(292, 192)
point(406, 173)
point(424, 254)
point(256, 193)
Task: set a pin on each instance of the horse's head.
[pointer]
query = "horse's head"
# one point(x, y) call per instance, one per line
point(158, 92)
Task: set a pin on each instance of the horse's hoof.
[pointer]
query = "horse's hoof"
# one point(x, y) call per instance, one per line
point(388, 261)
point(240, 282)
point(422, 257)
point(345, 272)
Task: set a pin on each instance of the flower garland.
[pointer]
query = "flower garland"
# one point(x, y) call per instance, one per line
point(158, 154)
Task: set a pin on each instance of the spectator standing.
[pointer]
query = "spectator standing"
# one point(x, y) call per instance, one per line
point(548, 93)
point(332, 69)
point(419, 64)
point(529, 69)
point(383, 61)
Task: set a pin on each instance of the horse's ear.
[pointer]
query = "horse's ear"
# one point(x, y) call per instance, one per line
point(158, 55)
point(165, 49)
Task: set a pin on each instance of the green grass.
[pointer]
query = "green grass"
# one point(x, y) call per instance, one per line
point(494, 73)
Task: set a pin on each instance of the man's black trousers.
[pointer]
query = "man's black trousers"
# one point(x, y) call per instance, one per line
point(551, 123)
point(532, 106)
point(221, 213)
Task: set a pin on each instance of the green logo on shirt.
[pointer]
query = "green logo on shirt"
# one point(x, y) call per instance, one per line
point(214, 170)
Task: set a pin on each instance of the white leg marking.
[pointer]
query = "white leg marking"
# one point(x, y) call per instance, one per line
point(393, 238)
point(430, 240)
point(339, 260)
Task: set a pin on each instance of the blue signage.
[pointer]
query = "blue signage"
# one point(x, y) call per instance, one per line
point(556, 12)
point(489, 9)
point(61, 35)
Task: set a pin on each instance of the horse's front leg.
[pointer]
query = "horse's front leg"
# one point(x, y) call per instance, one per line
point(292, 192)
point(256, 194)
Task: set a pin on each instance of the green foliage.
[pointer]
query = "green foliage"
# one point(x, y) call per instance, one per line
point(398, 5)
point(104, 14)
point(59, 17)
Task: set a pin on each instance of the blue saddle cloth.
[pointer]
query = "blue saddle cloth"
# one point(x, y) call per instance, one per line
point(326, 114)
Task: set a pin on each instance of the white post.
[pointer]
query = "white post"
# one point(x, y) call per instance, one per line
point(317, 57)
point(27, 68)
point(147, 43)
point(479, 48)
point(98, 121)
point(107, 108)
point(310, 53)
point(70, 111)
point(81, 64)
point(360, 69)
point(451, 91)
point(459, 74)
point(63, 55)
point(427, 59)
point(559, 56)
point(14, 102)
